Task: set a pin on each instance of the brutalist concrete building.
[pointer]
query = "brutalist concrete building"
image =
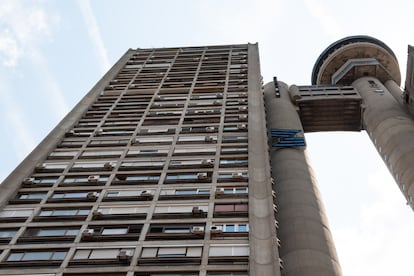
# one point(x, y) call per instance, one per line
point(180, 162)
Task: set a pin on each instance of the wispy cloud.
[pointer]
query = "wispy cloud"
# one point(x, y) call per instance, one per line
point(379, 234)
point(53, 93)
point(94, 33)
point(325, 17)
point(17, 127)
point(24, 28)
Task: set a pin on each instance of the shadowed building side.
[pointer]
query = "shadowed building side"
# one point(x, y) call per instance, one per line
point(306, 243)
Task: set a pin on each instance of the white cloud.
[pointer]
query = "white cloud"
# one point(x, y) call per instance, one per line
point(23, 27)
point(382, 233)
point(94, 33)
point(23, 141)
point(54, 94)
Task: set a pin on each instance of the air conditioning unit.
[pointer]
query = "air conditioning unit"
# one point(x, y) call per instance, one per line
point(217, 102)
point(241, 126)
point(243, 108)
point(197, 230)
point(209, 139)
point(92, 195)
point(242, 101)
point(196, 210)
point(108, 166)
point(237, 175)
point(97, 213)
point(243, 117)
point(219, 96)
point(157, 98)
point(210, 129)
point(132, 86)
point(40, 167)
point(216, 229)
point(99, 132)
point(202, 175)
point(124, 255)
point(93, 178)
point(70, 133)
point(29, 181)
point(146, 194)
point(87, 233)
point(220, 191)
point(207, 162)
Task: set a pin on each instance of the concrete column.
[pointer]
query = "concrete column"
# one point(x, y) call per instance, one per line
point(264, 256)
point(306, 242)
point(392, 131)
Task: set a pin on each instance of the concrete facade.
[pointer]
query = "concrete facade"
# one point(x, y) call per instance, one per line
point(181, 162)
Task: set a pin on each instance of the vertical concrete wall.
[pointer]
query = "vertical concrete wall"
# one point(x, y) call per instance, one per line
point(264, 257)
point(306, 242)
point(391, 129)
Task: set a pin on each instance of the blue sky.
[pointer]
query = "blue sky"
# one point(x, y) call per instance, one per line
point(53, 52)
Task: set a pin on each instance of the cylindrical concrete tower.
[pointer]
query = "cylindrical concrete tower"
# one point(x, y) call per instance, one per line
point(372, 69)
point(306, 242)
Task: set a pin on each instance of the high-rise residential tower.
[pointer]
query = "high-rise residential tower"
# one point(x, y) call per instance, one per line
point(181, 162)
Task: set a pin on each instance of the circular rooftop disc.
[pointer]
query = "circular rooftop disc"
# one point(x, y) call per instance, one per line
point(353, 57)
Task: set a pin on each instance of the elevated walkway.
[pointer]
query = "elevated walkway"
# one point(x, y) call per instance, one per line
point(328, 108)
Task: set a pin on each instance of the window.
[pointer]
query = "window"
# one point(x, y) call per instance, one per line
point(154, 140)
point(121, 212)
point(233, 162)
point(53, 255)
point(112, 232)
point(171, 255)
point(40, 182)
point(100, 154)
point(144, 179)
point(147, 152)
point(48, 234)
point(207, 149)
point(7, 234)
point(188, 177)
point(227, 274)
point(69, 195)
point(231, 191)
point(180, 210)
point(63, 212)
point(102, 253)
point(15, 213)
point(30, 197)
point(237, 209)
point(228, 254)
point(140, 165)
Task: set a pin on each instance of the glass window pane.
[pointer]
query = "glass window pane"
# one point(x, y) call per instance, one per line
point(194, 252)
point(224, 208)
point(115, 231)
point(172, 252)
point(72, 232)
point(7, 233)
point(230, 228)
point(104, 254)
point(82, 254)
point(13, 257)
point(243, 228)
point(240, 207)
point(37, 256)
point(149, 252)
point(51, 232)
point(59, 255)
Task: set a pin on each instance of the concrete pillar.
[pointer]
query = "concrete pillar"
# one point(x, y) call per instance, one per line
point(391, 129)
point(306, 242)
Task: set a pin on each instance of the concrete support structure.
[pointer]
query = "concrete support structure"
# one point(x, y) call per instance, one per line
point(306, 243)
point(391, 130)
